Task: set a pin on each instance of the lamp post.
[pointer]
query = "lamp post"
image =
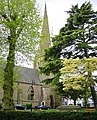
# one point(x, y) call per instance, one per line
point(31, 90)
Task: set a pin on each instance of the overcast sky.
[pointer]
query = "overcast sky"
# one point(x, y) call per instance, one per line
point(55, 9)
point(57, 16)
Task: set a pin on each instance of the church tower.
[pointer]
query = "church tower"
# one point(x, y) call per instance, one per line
point(47, 95)
point(44, 40)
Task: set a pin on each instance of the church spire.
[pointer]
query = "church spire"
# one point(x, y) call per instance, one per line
point(45, 34)
point(45, 40)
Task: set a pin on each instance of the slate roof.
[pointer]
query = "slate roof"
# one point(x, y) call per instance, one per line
point(28, 75)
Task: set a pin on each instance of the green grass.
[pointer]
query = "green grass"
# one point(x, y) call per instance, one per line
point(49, 110)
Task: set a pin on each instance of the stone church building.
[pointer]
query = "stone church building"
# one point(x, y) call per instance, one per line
point(42, 93)
point(28, 77)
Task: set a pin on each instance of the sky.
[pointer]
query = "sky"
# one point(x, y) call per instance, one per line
point(56, 11)
point(57, 15)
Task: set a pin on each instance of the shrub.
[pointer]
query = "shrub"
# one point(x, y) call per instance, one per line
point(28, 106)
point(17, 115)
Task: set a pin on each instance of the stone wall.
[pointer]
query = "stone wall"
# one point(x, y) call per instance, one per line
point(42, 94)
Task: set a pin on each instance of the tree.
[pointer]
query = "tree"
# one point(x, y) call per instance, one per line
point(71, 93)
point(82, 23)
point(78, 38)
point(80, 77)
point(20, 23)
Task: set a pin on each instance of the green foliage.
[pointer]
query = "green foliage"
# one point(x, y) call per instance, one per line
point(22, 17)
point(77, 76)
point(28, 106)
point(48, 115)
point(1, 77)
point(80, 76)
point(81, 31)
point(76, 39)
point(20, 24)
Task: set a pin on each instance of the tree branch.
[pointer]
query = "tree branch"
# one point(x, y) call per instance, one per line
point(5, 17)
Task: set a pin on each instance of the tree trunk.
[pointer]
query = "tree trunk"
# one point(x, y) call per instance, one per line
point(93, 92)
point(8, 103)
point(8, 88)
point(74, 102)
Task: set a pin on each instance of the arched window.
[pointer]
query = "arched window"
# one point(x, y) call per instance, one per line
point(30, 93)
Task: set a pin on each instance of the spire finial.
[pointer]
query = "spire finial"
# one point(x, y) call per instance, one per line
point(45, 2)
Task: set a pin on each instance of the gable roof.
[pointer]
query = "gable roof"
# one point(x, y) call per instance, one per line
point(24, 74)
point(28, 75)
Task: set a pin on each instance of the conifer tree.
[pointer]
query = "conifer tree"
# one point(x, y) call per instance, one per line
point(78, 38)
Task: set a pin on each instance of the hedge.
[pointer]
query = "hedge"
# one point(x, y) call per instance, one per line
point(21, 115)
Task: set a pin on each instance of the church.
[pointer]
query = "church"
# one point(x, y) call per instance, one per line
point(30, 77)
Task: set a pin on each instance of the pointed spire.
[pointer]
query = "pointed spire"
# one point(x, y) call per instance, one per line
point(45, 11)
point(45, 26)
point(45, 39)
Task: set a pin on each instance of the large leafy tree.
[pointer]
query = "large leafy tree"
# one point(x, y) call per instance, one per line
point(80, 77)
point(20, 23)
point(71, 93)
point(78, 38)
